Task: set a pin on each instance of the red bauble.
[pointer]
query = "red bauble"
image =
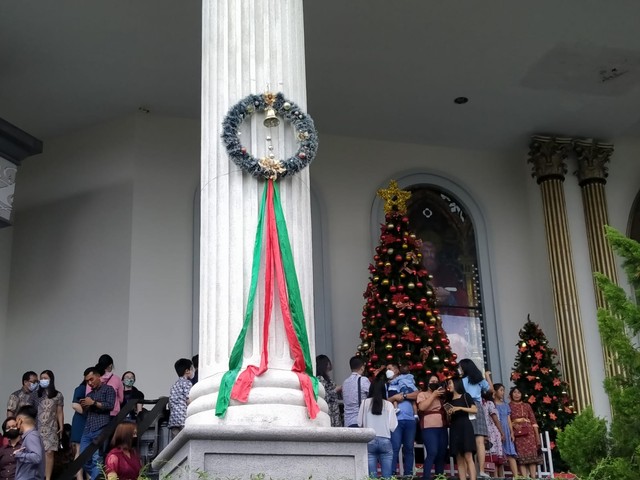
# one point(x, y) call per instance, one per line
point(399, 346)
point(370, 335)
point(399, 258)
point(376, 257)
point(420, 323)
point(393, 322)
point(419, 308)
point(393, 289)
point(419, 365)
point(374, 357)
point(390, 356)
point(428, 372)
point(421, 384)
point(383, 329)
point(424, 302)
point(401, 288)
point(405, 298)
point(401, 314)
point(378, 315)
point(407, 354)
point(419, 285)
point(438, 347)
point(391, 311)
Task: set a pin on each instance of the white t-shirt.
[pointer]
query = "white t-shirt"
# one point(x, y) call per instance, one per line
point(383, 424)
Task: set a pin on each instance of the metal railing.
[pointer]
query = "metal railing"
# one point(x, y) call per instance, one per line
point(69, 473)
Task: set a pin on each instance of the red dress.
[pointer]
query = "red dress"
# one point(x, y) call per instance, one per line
point(126, 467)
point(527, 445)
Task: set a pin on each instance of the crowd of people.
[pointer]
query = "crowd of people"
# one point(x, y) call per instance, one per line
point(34, 431)
point(465, 417)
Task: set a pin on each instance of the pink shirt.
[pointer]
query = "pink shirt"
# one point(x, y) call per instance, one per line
point(114, 382)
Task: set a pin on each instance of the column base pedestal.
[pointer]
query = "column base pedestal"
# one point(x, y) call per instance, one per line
point(286, 453)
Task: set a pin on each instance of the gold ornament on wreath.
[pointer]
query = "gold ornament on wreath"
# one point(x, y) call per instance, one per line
point(274, 105)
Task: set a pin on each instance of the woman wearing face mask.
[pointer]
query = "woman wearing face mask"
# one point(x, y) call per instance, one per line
point(323, 368)
point(11, 436)
point(122, 461)
point(105, 362)
point(433, 422)
point(131, 392)
point(50, 418)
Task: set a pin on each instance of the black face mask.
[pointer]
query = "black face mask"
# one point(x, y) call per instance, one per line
point(434, 386)
point(12, 433)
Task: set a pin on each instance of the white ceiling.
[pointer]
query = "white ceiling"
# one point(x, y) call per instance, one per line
point(375, 68)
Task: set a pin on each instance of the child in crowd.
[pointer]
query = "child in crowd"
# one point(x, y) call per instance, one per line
point(496, 435)
point(179, 396)
point(404, 383)
point(504, 415)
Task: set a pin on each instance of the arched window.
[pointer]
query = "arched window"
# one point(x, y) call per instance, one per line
point(454, 252)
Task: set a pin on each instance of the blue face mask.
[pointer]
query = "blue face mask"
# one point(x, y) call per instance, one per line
point(33, 386)
point(44, 383)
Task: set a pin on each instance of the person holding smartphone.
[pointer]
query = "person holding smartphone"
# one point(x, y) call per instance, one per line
point(461, 435)
point(433, 422)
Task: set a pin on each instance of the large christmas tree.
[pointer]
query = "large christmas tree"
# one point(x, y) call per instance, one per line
point(400, 321)
point(536, 375)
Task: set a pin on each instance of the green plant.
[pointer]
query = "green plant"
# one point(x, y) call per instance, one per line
point(584, 443)
point(619, 324)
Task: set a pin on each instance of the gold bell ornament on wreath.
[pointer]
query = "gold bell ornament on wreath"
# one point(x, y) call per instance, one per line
point(270, 119)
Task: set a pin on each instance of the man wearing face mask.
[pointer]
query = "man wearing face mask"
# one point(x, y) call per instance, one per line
point(12, 442)
point(405, 434)
point(30, 456)
point(25, 396)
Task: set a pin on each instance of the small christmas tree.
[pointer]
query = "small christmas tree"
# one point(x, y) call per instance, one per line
point(400, 321)
point(536, 375)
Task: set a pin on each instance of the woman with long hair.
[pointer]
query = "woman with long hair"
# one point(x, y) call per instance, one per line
point(433, 422)
point(122, 461)
point(377, 413)
point(50, 417)
point(475, 384)
point(525, 433)
point(323, 370)
point(462, 442)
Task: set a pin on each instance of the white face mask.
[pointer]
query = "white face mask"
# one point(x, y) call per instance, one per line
point(390, 374)
point(44, 383)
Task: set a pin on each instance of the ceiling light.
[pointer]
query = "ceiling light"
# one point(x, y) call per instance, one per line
point(460, 100)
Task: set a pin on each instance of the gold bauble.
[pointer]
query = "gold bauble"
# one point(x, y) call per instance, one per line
point(411, 285)
point(385, 282)
point(406, 329)
point(388, 346)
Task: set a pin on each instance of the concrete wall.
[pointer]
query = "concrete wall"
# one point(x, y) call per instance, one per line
point(102, 249)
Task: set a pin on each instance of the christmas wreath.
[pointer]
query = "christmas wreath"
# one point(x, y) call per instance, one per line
point(274, 105)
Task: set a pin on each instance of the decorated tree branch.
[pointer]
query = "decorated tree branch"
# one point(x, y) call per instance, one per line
point(400, 319)
point(536, 374)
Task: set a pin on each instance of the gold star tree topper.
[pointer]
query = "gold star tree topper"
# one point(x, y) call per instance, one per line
point(394, 198)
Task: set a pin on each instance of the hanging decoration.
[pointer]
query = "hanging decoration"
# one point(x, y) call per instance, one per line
point(279, 268)
point(274, 105)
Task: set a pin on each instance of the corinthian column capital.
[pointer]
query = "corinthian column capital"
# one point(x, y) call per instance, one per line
point(548, 155)
point(592, 161)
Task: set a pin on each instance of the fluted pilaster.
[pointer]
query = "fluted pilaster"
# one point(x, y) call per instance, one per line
point(548, 154)
point(592, 175)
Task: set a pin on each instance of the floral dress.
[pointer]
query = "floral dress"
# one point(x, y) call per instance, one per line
point(48, 420)
point(496, 452)
point(526, 445)
point(331, 397)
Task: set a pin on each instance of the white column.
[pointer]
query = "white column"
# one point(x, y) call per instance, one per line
point(247, 46)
